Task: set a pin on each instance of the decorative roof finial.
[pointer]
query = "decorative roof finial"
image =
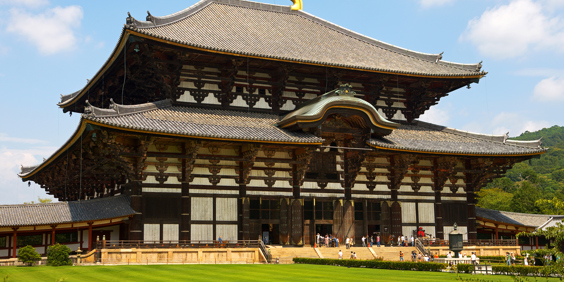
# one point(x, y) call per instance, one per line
point(298, 5)
point(345, 89)
point(149, 17)
point(439, 57)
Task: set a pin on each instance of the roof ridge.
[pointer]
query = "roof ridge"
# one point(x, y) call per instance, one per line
point(482, 136)
point(153, 21)
point(121, 110)
point(528, 214)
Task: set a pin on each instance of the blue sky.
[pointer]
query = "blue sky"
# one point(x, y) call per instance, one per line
point(50, 47)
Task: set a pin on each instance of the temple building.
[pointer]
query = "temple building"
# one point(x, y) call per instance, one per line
point(247, 120)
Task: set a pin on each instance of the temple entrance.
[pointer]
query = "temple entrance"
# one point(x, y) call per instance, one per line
point(270, 234)
point(373, 230)
point(99, 234)
point(323, 229)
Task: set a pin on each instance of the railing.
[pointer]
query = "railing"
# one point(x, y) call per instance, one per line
point(141, 244)
point(421, 248)
point(265, 252)
point(480, 242)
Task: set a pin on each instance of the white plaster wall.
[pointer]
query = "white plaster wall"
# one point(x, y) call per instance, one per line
point(426, 212)
point(228, 232)
point(226, 209)
point(408, 212)
point(151, 232)
point(202, 208)
point(170, 232)
point(202, 232)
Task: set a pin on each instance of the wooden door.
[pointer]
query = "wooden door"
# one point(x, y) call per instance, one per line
point(396, 219)
point(283, 228)
point(297, 222)
point(338, 219)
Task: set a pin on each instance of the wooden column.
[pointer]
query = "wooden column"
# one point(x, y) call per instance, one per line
point(470, 201)
point(90, 239)
point(53, 234)
point(14, 242)
point(438, 187)
point(242, 222)
point(136, 231)
point(185, 212)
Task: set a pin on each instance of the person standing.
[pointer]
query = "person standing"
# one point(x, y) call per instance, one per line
point(412, 241)
point(399, 241)
point(336, 242)
point(378, 241)
point(348, 243)
point(326, 241)
point(526, 260)
point(318, 239)
point(473, 258)
point(340, 254)
point(363, 241)
point(371, 241)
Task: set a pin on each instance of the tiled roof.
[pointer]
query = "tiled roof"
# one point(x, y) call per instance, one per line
point(277, 32)
point(514, 218)
point(65, 212)
point(426, 137)
point(163, 117)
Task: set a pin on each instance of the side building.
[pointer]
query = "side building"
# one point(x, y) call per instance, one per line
point(247, 120)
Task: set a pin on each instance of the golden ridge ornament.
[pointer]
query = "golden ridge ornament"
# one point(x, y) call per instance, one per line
point(298, 5)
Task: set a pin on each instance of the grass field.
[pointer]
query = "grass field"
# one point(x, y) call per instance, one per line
point(210, 273)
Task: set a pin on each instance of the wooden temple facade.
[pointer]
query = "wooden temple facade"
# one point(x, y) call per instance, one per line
point(244, 120)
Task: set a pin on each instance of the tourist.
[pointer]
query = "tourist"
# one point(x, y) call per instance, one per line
point(413, 256)
point(512, 258)
point(401, 256)
point(419, 256)
point(378, 240)
point(399, 241)
point(459, 255)
point(220, 241)
point(348, 243)
point(402, 240)
point(507, 258)
point(526, 260)
point(371, 241)
point(473, 258)
point(391, 239)
point(326, 241)
point(340, 254)
point(426, 258)
point(412, 241)
point(363, 241)
point(449, 255)
point(336, 242)
point(318, 239)
point(354, 255)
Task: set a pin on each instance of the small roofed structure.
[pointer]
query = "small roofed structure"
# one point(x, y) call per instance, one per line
point(499, 225)
point(76, 224)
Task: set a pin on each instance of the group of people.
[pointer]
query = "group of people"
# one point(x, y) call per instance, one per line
point(327, 241)
point(473, 257)
point(367, 241)
point(353, 255)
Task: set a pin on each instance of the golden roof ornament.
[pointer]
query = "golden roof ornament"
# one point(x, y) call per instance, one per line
point(298, 5)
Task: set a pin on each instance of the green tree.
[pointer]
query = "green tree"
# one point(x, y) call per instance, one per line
point(28, 255)
point(58, 255)
point(503, 183)
point(554, 206)
point(558, 175)
point(39, 201)
point(524, 198)
point(495, 199)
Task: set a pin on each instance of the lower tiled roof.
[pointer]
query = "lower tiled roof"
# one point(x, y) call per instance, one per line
point(163, 117)
point(513, 218)
point(65, 212)
point(426, 137)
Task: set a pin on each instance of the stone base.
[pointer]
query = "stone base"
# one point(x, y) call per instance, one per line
point(181, 256)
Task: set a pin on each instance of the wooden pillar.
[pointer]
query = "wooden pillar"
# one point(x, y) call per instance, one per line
point(470, 201)
point(537, 243)
point(82, 239)
point(136, 231)
point(14, 242)
point(185, 212)
point(365, 218)
point(496, 233)
point(242, 223)
point(90, 239)
point(53, 234)
point(437, 187)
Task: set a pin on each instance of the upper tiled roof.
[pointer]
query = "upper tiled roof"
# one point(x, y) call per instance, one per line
point(163, 117)
point(429, 138)
point(515, 218)
point(277, 32)
point(65, 212)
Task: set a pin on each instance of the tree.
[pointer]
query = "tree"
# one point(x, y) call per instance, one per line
point(554, 206)
point(28, 255)
point(524, 198)
point(58, 255)
point(494, 199)
point(39, 201)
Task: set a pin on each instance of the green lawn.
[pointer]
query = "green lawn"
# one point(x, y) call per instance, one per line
point(210, 273)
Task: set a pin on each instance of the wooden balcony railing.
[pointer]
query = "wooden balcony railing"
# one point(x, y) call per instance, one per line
point(141, 244)
point(479, 242)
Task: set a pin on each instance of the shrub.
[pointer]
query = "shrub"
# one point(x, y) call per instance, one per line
point(464, 268)
point(518, 270)
point(396, 265)
point(58, 255)
point(28, 255)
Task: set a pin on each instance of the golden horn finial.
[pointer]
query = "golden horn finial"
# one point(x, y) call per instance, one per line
point(298, 5)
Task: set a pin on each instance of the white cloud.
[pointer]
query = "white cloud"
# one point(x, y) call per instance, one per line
point(431, 3)
point(12, 189)
point(550, 89)
point(5, 138)
point(26, 3)
point(512, 30)
point(502, 123)
point(435, 115)
point(51, 31)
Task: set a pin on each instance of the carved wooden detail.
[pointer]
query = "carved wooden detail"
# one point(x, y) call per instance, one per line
point(249, 153)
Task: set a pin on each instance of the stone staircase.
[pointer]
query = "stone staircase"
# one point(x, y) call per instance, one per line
point(286, 254)
point(333, 253)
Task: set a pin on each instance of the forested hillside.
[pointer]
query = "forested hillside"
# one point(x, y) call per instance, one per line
point(534, 186)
